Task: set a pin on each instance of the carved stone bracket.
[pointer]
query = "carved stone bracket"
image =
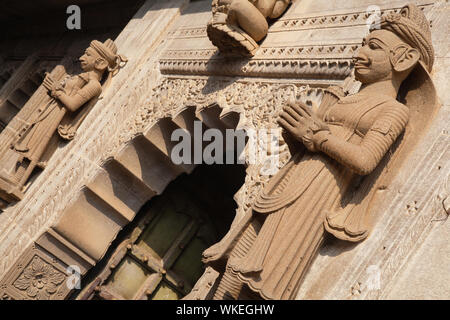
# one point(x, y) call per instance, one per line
point(258, 103)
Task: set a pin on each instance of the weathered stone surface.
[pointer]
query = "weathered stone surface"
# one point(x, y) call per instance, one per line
point(174, 73)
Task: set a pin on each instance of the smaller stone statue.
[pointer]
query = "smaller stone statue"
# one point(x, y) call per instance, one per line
point(60, 107)
point(237, 25)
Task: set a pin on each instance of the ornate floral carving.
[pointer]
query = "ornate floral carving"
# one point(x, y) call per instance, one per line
point(40, 280)
point(336, 68)
point(258, 101)
point(317, 52)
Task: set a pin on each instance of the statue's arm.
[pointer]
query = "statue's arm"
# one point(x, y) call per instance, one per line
point(279, 8)
point(364, 157)
point(74, 102)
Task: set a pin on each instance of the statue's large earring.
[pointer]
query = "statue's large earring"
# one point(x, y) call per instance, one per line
point(399, 54)
point(101, 64)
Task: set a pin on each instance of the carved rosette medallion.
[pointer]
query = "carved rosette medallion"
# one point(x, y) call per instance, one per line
point(37, 275)
point(39, 280)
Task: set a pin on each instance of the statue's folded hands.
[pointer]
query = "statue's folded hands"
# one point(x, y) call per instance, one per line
point(302, 123)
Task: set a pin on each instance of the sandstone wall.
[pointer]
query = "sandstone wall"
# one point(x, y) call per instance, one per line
point(94, 186)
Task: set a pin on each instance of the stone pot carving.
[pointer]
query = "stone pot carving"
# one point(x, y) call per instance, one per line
point(237, 25)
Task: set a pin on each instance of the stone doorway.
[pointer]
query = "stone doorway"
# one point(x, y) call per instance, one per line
point(158, 256)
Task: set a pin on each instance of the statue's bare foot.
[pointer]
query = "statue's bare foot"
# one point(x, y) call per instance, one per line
point(231, 39)
point(214, 252)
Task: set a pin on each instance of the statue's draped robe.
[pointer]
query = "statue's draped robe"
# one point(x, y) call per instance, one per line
point(45, 121)
point(298, 198)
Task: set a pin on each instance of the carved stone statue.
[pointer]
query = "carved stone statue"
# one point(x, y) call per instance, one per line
point(237, 25)
point(351, 150)
point(62, 108)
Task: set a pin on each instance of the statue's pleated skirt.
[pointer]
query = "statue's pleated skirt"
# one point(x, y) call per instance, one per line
point(36, 140)
point(290, 237)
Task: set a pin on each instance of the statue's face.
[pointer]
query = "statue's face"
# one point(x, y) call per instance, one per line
point(88, 59)
point(372, 62)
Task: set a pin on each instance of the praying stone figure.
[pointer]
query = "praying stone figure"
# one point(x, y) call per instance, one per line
point(237, 25)
point(352, 147)
point(62, 107)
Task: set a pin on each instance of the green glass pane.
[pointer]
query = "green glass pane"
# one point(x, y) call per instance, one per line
point(128, 278)
point(165, 292)
point(159, 235)
point(189, 265)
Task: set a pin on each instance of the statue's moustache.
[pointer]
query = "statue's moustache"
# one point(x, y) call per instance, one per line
point(361, 61)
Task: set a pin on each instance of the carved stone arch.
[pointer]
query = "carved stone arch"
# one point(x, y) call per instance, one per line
point(141, 169)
